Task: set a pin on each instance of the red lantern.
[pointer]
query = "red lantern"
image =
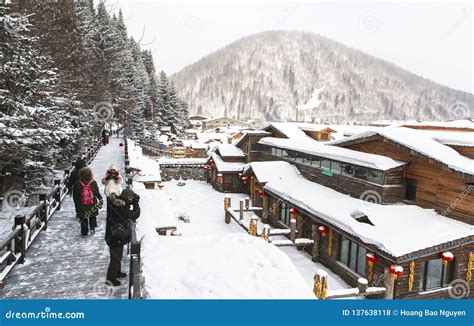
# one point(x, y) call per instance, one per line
point(447, 257)
point(161, 186)
point(396, 271)
point(371, 258)
point(322, 230)
point(293, 212)
point(261, 193)
point(121, 144)
point(245, 179)
point(206, 167)
point(240, 175)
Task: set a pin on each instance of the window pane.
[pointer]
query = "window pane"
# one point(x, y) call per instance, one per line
point(361, 173)
point(227, 178)
point(307, 160)
point(344, 255)
point(433, 274)
point(315, 161)
point(274, 151)
point(326, 164)
point(361, 261)
point(375, 176)
point(278, 152)
point(282, 212)
point(284, 153)
point(348, 170)
point(336, 167)
point(353, 256)
point(448, 273)
point(291, 155)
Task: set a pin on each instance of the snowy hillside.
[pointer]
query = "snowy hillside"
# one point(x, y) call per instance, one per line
point(303, 76)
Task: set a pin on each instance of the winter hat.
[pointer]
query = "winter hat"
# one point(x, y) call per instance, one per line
point(127, 195)
point(113, 166)
point(80, 163)
point(85, 174)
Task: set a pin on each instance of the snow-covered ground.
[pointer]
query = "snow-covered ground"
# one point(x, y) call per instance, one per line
point(213, 259)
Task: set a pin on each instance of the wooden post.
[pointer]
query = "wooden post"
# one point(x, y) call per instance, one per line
point(247, 203)
point(241, 211)
point(316, 246)
point(266, 232)
point(389, 284)
point(265, 209)
point(1, 203)
point(253, 226)
point(44, 211)
point(362, 284)
point(20, 246)
point(320, 287)
point(293, 230)
point(58, 193)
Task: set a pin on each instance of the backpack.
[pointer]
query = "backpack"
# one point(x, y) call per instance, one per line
point(87, 198)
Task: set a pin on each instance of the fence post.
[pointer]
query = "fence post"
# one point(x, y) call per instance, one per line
point(20, 246)
point(293, 230)
point(265, 209)
point(1, 203)
point(320, 288)
point(44, 211)
point(266, 232)
point(241, 211)
point(247, 203)
point(58, 193)
point(362, 285)
point(389, 284)
point(253, 226)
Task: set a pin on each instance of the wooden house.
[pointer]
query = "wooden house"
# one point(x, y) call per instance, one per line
point(221, 122)
point(412, 251)
point(224, 168)
point(435, 176)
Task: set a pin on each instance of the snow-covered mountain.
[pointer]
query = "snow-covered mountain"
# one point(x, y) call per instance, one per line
point(282, 75)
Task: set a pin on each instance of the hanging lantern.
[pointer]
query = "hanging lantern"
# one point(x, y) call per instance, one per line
point(396, 271)
point(240, 175)
point(261, 193)
point(322, 230)
point(447, 257)
point(293, 212)
point(206, 167)
point(161, 186)
point(211, 161)
point(245, 179)
point(371, 258)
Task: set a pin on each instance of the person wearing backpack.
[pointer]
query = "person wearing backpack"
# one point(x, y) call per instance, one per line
point(118, 231)
point(74, 178)
point(89, 200)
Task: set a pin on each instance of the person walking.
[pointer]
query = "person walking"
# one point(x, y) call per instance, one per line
point(74, 178)
point(89, 200)
point(118, 231)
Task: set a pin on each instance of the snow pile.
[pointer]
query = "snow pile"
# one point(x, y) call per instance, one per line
point(156, 210)
point(228, 150)
point(228, 266)
point(227, 166)
point(312, 147)
point(393, 224)
point(422, 144)
point(271, 170)
point(149, 168)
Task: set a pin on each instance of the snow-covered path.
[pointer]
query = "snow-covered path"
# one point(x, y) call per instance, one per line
point(61, 264)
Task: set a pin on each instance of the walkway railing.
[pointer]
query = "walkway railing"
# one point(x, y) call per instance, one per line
point(27, 227)
point(134, 285)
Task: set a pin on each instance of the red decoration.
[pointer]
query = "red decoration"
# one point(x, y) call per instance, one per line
point(293, 212)
point(240, 175)
point(447, 257)
point(322, 230)
point(371, 258)
point(161, 186)
point(121, 144)
point(206, 167)
point(261, 193)
point(396, 270)
point(245, 179)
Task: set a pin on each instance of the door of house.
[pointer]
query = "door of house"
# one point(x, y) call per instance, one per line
point(227, 185)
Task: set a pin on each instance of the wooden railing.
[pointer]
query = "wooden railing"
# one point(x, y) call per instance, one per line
point(27, 227)
point(134, 284)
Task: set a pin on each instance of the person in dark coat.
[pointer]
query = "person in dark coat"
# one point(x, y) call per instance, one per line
point(118, 231)
point(74, 177)
point(89, 200)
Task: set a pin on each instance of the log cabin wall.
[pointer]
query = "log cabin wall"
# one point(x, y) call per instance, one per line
point(391, 193)
point(436, 188)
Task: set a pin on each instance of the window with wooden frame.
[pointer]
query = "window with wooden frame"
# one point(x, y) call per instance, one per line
point(285, 214)
point(352, 255)
point(435, 275)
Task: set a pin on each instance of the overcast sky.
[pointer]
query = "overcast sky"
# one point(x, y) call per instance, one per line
point(434, 40)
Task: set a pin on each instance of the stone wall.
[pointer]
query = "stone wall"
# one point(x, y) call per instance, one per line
point(185, 172)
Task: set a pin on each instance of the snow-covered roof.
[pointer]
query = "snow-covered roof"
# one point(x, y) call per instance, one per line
point(393, 224)
point(461, 124)
point(271, 170)
point(183, 161)
point(229, 150)
point(373, 161)
point(226, 166)
point(420, 143)
point(225, 266)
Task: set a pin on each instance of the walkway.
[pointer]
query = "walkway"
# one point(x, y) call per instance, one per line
point(61, 264)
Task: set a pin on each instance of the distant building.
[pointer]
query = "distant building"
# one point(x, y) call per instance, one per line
point(221, 122)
